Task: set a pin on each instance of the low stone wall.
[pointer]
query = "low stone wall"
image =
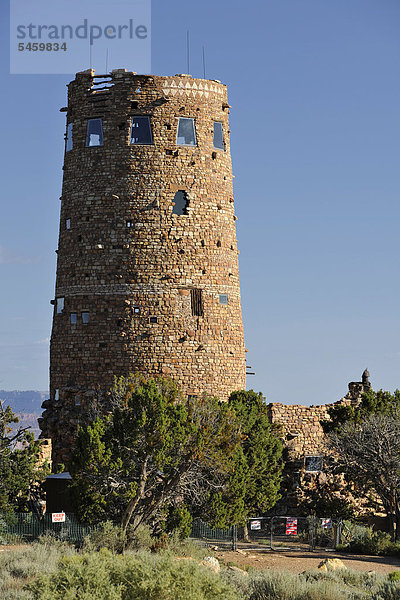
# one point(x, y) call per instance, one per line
point(304, 438)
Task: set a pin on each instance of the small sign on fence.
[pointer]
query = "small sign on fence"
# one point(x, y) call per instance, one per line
point(291, 526)
point(255, 525)
point(58, 517)
point(326, 523)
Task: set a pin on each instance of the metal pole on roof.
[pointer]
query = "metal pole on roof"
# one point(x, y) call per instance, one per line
point(204, 63)
point(188, 51)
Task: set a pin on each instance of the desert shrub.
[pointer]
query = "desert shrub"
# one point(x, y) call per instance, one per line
point(186, 548)
point(394, 576)
point(287, 586)
point(114, 538)
point(18, 567)
point(134, 576)
point(377, 543)
point(387, 590)
point(141, 538)
point(107, 535)
point(50, 539)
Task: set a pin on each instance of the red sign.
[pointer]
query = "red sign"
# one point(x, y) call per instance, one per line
point(291, 526)
point(58, 517)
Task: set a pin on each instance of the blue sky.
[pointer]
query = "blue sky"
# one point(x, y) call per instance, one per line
point(315, 90)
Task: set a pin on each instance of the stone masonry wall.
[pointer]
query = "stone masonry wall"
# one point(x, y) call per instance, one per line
point(129, 262)
point(303, 436)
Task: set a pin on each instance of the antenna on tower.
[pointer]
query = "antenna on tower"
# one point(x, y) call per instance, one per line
point(188, 51)
point(107, 61)
point(204, 63)
point(90, 54)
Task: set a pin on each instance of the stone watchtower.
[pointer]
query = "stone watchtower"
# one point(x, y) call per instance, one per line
point(147, 272)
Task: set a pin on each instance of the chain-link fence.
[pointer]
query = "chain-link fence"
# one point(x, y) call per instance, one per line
point(27, 527)
point(213, 535)
point(294, 533)
point(269, 533)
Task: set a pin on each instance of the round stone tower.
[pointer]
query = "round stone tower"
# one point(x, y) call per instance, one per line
point(147, 272)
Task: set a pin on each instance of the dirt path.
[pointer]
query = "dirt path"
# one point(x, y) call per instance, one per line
point(296, 562)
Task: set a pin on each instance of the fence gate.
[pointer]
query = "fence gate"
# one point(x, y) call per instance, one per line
point(213, 535)
point(293, 533)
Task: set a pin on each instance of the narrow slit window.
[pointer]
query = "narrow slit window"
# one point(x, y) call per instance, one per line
point(85, 318)
point(186, 132)
point(77, 401)
point(218, 136)
point(70, 143)
point(223, 299)
point(94, 135)
point(196, 297)
point(73, 318)
point(60, 305)
point(56, 394)
point(67, 223)
point(141, 131)
point(136, 310)
point(181, 203)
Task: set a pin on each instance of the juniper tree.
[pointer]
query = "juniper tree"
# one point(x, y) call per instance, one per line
point(154, 450)
point(18, 463)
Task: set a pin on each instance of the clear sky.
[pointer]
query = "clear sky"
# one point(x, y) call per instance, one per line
point(315, 91)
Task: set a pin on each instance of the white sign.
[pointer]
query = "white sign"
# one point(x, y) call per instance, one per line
point(327, 523)
point(58, 517)
point(255, 525)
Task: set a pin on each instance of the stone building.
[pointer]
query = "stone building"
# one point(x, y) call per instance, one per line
point(147, 270)
point(305, 444)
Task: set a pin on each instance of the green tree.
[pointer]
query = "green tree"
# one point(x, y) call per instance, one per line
point(371, 402)
point(368, 454)
point(18, 463)
point(153, 450)
point(253, 485)
point(365, 448)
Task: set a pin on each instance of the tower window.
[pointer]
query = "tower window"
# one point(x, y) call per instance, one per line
point(94, 134)
point(153, 320)
point(136, 310)
point(218, 136)
point(73, 318)
point(85, 318)
point(69, 144)
point(181, 203)
point(186, 132)
point(130, 224)
point(56, 394)
point(77, 401)
point(67, 223)
point(223, 299)
point(141, 131)
point(196, 297)
point(59, 305)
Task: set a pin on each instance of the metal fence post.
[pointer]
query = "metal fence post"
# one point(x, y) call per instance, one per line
point(338, 533)
point(234, 537)
point(272, 527)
